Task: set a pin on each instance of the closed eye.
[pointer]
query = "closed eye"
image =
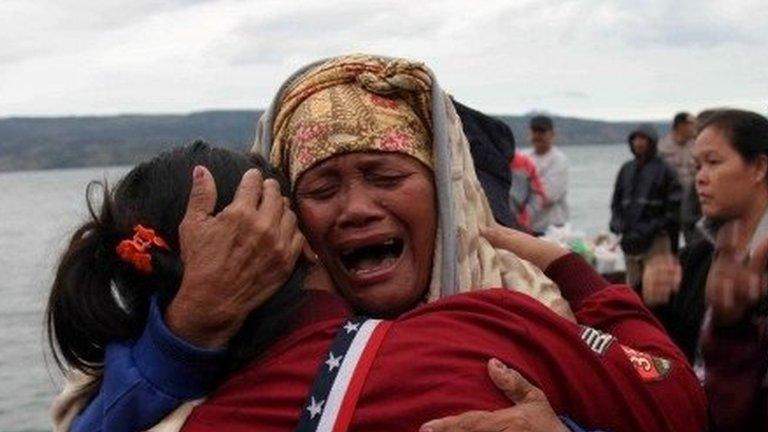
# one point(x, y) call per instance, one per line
point(386, 180)
point(318, 192)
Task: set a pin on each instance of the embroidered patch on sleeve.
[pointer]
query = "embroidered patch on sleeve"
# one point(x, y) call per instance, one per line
point(649, 368)
point(597, 341)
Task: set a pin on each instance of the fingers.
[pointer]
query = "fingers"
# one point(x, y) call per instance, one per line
point(291, 236)
point(503, 238)
point(288, 224)
point(512, 384)
point(249, 191)
point(202, 196)
point(299, 244)
point(272, 204)
point(472, 421)
point(540, 253)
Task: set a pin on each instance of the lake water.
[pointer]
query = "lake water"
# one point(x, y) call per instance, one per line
point(39, 210)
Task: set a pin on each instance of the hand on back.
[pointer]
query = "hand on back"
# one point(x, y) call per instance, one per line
point(233, 261)
point(530, 412)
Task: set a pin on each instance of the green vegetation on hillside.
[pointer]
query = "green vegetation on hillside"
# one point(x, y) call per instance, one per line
point(43, 143)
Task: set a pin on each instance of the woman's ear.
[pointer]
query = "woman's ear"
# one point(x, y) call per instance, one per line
point(761, 169)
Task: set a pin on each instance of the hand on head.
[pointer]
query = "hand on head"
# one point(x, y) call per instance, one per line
point(540, 253)
point(736, 280)
point(661, 279)
point(233, 261)
point(531, 411)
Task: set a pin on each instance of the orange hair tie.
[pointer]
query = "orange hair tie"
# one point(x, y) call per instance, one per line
point(136, 250)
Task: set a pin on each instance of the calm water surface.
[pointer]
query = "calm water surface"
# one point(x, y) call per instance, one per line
point(39, 210)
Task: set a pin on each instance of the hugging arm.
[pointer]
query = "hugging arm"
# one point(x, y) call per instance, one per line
point(612, 309)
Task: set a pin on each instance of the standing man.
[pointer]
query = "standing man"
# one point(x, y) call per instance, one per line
point(553, 169)
point(646, 205)
point(676, 150)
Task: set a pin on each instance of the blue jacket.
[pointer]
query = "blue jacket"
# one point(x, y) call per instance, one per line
point(146, 379)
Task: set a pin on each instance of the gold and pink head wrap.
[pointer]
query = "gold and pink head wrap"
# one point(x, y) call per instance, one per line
point(353, 104)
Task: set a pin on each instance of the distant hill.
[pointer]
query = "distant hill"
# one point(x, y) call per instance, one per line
point(62, 142)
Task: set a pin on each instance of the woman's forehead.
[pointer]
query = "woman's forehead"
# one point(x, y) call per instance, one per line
point(711, 140)
point(365, 160)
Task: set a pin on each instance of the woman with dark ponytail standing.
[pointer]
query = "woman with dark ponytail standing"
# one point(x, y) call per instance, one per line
point(124, 265)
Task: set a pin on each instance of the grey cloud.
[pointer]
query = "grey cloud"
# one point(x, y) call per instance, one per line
point(36, 30)
point(572, 95)
point(326, 30)
point(684, 24)
point(646, 24)
point(95, 16)
point(575, 95)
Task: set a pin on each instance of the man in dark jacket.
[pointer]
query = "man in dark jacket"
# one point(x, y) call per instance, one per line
point(646, 204)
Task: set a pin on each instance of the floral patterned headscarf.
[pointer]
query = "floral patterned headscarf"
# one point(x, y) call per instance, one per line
point(353, 104)
point(347, 118)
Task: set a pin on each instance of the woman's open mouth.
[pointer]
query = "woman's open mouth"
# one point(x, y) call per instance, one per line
point(375, 259)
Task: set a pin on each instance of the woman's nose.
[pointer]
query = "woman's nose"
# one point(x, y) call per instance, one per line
point(701, 176)
point(359, 208)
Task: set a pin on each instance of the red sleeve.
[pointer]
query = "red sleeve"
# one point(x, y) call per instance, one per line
point(641, 340)
point(615, 309)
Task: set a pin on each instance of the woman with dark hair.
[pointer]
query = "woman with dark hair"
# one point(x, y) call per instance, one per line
point(725, 272)
point(123, 265)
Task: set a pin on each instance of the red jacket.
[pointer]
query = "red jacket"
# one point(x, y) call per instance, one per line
point(432, 363)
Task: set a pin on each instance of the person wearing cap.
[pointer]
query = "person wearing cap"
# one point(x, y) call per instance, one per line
point(645, 205)
point(552, 165)
point(676, 149)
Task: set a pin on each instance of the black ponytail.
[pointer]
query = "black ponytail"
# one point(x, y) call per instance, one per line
point(84, 310)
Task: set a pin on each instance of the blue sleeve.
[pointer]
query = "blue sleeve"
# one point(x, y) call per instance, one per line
point(146, 379)
point(573, 427)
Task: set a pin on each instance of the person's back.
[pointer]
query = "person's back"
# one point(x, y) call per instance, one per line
point(431, 363)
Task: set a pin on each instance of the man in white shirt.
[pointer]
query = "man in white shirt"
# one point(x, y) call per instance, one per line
point(553, 169)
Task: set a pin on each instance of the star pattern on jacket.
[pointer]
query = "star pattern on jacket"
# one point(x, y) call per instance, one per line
point(333, 362)
point(351, 327)
point(315, 408)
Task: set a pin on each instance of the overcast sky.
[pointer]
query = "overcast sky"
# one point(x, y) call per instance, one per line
point(590, 58)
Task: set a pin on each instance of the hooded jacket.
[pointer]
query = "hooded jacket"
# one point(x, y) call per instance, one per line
point(493, 147)
point(646, 198)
